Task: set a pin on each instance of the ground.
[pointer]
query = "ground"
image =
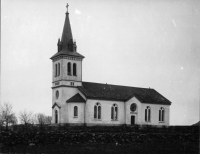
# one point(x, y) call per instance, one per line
point(101, 140)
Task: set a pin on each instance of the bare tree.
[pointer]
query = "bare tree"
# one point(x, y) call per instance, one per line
point(48, 119)
point(7, 115)
point(34, 119)
point(40, 119)
point(25, 117)
point(1, 117)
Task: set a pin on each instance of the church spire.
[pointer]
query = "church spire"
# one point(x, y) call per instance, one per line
point(66, 45)
point(67, 39)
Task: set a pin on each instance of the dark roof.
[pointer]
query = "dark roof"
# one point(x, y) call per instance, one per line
point(67, 32)
point(121, 93)
point(76, 98)
point(55, 104)
point(68, 53)
point(196, 124)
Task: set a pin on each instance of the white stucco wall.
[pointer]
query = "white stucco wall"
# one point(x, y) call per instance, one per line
point(140, 113)
point(67, 83)
point(64, 94)
point(65, 80)
point(86, 110)
point(105, 113)
point(155, 114)
point(78, 69)
point(81, 112)
point(63, 70)
point(136, 113)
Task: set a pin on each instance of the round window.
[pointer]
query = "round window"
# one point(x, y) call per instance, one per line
point(57, 94)
point(133, 107)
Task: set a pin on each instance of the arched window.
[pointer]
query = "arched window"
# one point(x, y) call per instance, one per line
point(74, 69)
point(97, 111)
point(69, 68)
point(147, 113)
point(55, 70)
point(75, 111)
point(56, 116)
point(114, 112)
point(161, 114)
point(58, 69)
point(57, 94)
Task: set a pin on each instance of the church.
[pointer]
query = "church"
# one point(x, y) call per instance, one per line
point(77, 102)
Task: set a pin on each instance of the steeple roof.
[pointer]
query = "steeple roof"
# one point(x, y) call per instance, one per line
point(67, 33)
point(67, 46)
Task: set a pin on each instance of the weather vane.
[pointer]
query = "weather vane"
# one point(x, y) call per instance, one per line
point(67, 7)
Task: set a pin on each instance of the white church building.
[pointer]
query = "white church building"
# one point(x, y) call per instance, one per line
point(77, 102)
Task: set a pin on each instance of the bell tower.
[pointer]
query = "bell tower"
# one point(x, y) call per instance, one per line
point(66, 74)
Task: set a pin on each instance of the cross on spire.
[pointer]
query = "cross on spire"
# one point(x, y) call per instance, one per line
point(67, 7)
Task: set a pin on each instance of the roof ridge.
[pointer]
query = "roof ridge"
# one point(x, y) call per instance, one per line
point(75, 54)
point(118, 85)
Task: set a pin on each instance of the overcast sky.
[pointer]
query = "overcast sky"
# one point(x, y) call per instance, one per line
point(141, 43)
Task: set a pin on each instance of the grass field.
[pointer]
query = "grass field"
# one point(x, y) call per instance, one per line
point(101, 140)
point(154, 148)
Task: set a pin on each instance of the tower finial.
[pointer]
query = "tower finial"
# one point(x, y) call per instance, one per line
point(67, 7)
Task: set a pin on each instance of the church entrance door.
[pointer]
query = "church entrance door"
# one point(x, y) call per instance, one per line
point(56, 116)
point(132, 120)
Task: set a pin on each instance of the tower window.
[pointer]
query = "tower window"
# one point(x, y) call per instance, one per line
point(55, 70)
point(114, 112)
point(57, 94)
point(74, 69)
point(75, 111)
point(58, 69)
point(69, 68)
point(97, 111)
point(148, 114)
point(161, 114)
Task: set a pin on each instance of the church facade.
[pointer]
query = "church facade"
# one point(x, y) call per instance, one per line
point(77, 102)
